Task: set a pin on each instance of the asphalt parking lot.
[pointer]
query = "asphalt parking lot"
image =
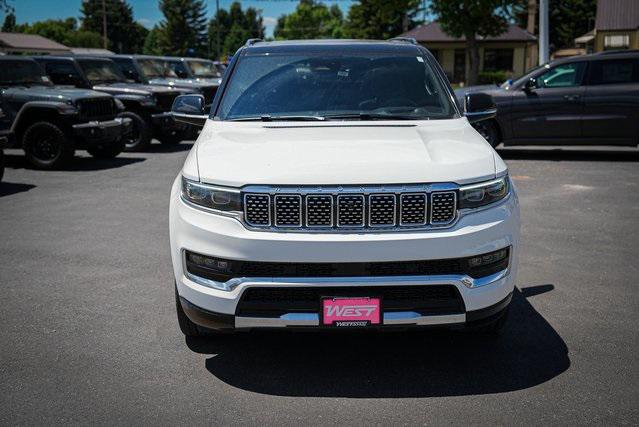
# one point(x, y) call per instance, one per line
point(88, 332)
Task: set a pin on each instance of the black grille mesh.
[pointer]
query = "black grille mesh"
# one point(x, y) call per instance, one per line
point(443, 207)
point(94, 109)
point(413, 209)
point(382, 210)
point(319, 211)
point(258, 209)
point(288, 211)
point(350, 211)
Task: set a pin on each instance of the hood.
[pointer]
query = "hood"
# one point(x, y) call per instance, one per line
point(131, 88)
point(182, 83)
point(51, 93)
point(342, 153)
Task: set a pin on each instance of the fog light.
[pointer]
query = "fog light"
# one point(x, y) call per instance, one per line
point(486, 259)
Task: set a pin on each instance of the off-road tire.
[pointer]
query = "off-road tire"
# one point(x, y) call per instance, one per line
point(108, 151)
point(141, 134)
point(46, 146)
point(171, 138)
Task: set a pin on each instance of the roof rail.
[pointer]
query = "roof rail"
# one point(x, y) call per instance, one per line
point(251, 42)
point(617, 51)
point(410, 40)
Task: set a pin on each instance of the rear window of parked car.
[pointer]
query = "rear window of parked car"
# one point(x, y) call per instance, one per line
point(614, 71)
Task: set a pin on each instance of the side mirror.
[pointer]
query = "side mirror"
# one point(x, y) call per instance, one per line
point(479, 106)
point(530, 85)
point(189, 109)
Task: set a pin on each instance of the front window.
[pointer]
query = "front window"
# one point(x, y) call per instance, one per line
point(22, 73)
point(621, 41)
point(498, 59)
point(101, 71)
point(155, 69)
point(565, 75)
point(204, 69)
point(323, 86)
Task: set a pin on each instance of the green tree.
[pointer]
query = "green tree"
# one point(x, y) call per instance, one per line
point(235, 27)
point(473, 19)
point(9, 24)
point(152, 42)
point(183, 28)
point(63, 31)
point(381, 19)
point(123, 33)
point(310, 20)
point(567, 20)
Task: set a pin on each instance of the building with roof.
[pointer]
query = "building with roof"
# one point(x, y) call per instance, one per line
point(507, 52)
point(18, 43)
point(616, 26)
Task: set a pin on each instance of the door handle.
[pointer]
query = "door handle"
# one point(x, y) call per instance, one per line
point(571, 97)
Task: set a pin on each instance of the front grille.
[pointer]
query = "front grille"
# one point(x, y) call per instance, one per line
point(425, 300)
point(374, 210)
point(96, 109)
point(165, 100)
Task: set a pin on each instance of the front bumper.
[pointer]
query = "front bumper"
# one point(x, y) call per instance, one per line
point(477, 233)
point(96, 133)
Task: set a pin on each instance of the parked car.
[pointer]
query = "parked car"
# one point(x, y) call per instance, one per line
point(50, 122)
point(581, 100)
point(3, 143)
point(198, 69)
point(337, 184)
point(147, 106)
point(153, 70)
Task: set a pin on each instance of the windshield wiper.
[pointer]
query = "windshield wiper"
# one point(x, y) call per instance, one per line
point(374, 116)
point(269, 118)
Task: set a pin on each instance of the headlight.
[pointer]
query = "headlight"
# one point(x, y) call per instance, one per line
point(211, 197)
point(474, 196)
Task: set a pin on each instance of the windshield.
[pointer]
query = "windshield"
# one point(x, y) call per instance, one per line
point(155, 68)
point(101, 71)
point(22, 73)
point(206, 69)
point(324, 86)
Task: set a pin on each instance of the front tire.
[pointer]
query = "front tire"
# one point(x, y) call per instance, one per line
point(109, 151)
point(172, 138)
point(46, 146)
point(139, 138)
point(488, 129)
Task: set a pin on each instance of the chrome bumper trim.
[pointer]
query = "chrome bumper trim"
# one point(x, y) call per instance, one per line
point(312, 319)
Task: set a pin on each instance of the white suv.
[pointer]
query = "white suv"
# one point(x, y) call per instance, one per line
point(338, 184)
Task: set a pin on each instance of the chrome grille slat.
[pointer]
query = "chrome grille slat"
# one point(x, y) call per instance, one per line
point(365, 208)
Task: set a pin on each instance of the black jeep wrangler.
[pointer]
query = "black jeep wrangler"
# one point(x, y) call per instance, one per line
point(3, 142)
point(148, 106)
point(50, 123)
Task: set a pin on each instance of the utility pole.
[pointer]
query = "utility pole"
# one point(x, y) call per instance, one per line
point(104, 23)
point(217, 28)
point(543, 32)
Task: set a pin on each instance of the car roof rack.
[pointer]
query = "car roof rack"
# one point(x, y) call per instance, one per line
point(251, 42)
point(410, 40)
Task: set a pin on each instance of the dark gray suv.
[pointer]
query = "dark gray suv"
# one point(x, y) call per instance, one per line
point(582, 100)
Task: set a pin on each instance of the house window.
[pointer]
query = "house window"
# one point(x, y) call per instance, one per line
point(617, 42)
point(498, 59)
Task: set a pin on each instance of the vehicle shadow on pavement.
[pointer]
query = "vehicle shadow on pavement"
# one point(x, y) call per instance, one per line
point(9, 188)
point(394, 364)
point(78, 164)
point(558, 154)
point(158, 147)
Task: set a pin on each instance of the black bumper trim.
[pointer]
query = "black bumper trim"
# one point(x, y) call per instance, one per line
point(101, 132)
point(207, 319)
point(490, 312)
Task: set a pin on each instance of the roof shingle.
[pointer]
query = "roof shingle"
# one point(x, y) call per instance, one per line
point(617, 15)
point(432, 32)
point(26, 42)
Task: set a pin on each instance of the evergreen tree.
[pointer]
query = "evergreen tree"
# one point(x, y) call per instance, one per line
point(381, 19)
point(152, 42)
point(310, 20)
point(183, 28)
point(9, 24)
point(235, 27)
point(123, 33)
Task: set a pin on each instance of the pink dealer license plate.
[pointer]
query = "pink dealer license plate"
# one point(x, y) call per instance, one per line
point(351, 312)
